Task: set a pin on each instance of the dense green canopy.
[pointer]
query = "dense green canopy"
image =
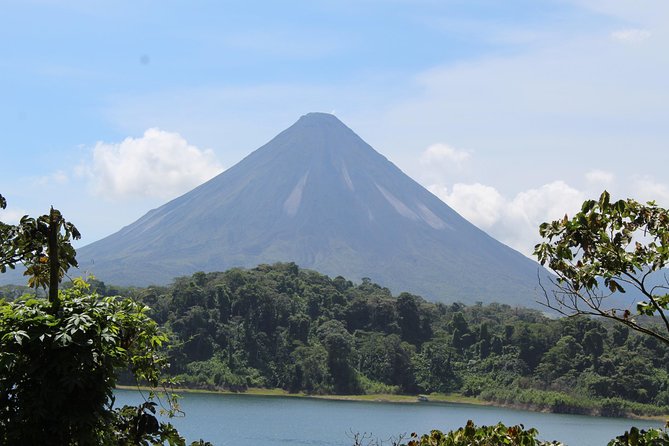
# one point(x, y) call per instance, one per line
point(282, 326)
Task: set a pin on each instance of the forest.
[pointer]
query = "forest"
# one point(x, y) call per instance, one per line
point(280, 326)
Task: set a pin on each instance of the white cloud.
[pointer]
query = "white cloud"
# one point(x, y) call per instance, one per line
point(513, 221)
point(158, 164)
point(647, 188)
point(443, 163)
point(443, 153)
point(631, 35)
point(548, 202)
point(598, 177)
point(480, 204)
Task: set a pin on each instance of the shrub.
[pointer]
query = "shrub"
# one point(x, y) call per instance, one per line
point(58, 369)
point(636, 437)
point(472, 435)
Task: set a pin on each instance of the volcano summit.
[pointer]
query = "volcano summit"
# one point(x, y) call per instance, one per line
point(321, 197)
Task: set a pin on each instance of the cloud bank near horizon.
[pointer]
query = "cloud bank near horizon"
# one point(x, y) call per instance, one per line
point(159, 164)
point(515, 220)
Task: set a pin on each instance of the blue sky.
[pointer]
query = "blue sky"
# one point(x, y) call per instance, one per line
point(513, 112)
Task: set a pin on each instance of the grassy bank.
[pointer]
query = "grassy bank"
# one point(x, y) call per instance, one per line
point(380, 397)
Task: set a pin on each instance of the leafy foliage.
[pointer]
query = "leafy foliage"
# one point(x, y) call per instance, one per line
point(28, 243)
point(60, 357)
point(472, 435)
point(641, 437)
point(608, 248)
point(58, 371)
point(280, 326)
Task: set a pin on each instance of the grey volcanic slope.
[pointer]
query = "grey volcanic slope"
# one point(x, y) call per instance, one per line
point(319, 196)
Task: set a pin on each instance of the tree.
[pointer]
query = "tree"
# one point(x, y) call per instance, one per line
point(311, 372)
point(386, 359)
point(434, 367)
point(60, 357)
point(42, 245)
point(605, 250)
point(339, 345)
point(58, 371)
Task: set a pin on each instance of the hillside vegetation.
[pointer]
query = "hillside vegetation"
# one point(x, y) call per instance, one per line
point(280, 326)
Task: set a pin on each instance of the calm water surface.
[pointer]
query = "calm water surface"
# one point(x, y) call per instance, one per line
point(249, 420)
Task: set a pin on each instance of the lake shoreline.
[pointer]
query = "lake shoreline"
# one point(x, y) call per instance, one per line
point(374, 398)
point(382, 398)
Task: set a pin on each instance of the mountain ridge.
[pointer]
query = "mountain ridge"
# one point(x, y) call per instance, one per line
point(319, 196)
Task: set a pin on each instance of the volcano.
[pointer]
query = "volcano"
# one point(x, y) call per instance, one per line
point(321, 197)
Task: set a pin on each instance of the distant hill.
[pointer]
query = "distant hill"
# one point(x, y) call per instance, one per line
point(321, 197)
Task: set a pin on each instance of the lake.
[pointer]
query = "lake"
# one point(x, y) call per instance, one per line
point(250, 420)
